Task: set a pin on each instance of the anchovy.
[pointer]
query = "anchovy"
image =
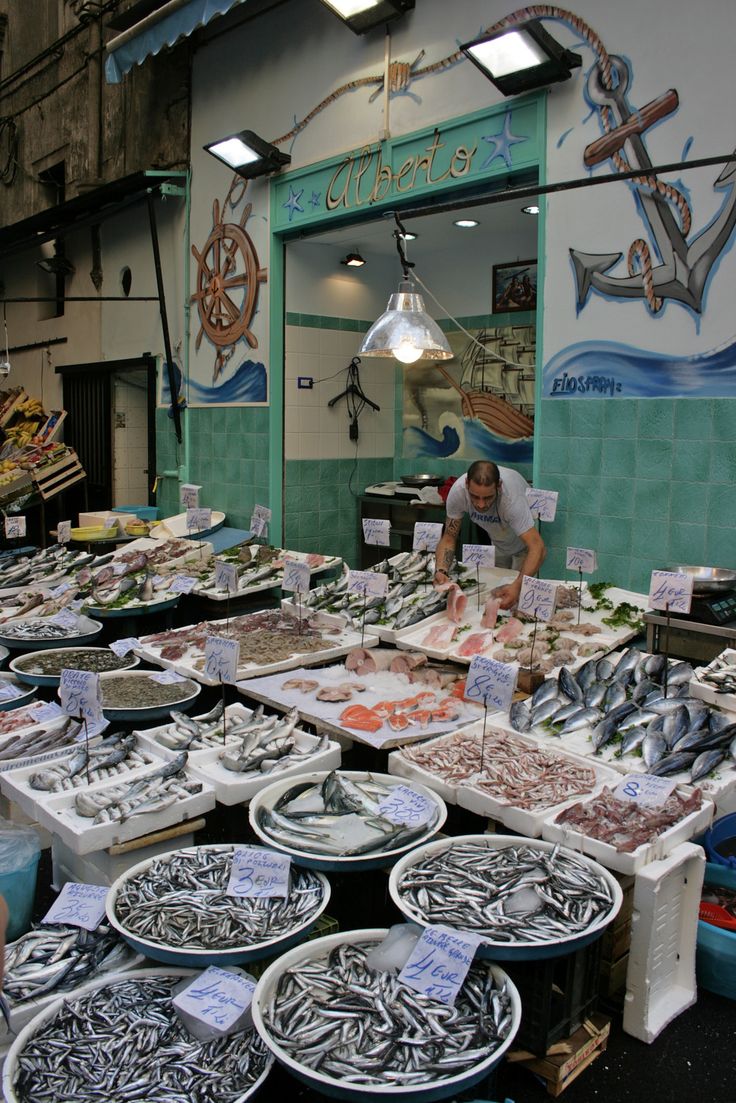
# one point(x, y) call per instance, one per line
point(56, 958)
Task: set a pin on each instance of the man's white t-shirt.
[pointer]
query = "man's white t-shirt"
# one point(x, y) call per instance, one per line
point(508, 516)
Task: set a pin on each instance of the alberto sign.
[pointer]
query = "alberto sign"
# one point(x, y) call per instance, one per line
point(472, 148)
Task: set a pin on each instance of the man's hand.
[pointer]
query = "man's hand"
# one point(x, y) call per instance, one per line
point(509, 595)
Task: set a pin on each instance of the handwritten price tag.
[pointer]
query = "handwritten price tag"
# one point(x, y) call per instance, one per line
point(216, 997)
point(645, 789)
point(259, 873)
point(79, 692)
point(182, 584)
point(221, 659)
point(125, 646)
point(63, 532)
point(491, 682)
point(480, 555)
point(47, 711)
point(110, 523)
point(189, 495)
point(439, 963)
point(537, 597)
point(65, 619)
point(226, 576)
point(8, 691)
point(376, 530)
point(542, 503)
point(262, 511)
point(671, 590)
point(167, 677)
point(426, 535)
point(258, 525)
point(198, 519)
point(60, 589)
point(405, 805)
point(368, 583)
point(296, 576)
point(581, 559)
point(15, 527)
point(79, 905)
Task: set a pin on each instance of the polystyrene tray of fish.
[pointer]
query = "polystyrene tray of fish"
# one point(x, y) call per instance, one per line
point(526, 821)
point(26, 723)
point(209, 590)
point(344, 640)
point(722, 671)
point(629, 862)
point(232, 787)
point(42, 569)
point(368, 691)
point(57, 813)
point(445, 786)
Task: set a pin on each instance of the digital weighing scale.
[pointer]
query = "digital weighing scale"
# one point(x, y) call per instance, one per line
point(390, 490)
point(703, 633)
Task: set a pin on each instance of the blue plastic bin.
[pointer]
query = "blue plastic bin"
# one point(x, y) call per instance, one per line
point(146, 513)
point(19, 889)
point(722, 829)
point(715, 959)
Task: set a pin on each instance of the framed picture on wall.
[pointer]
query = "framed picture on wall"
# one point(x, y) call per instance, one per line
point(514, 286)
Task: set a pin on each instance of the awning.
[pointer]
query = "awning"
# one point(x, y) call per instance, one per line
point(163, 27)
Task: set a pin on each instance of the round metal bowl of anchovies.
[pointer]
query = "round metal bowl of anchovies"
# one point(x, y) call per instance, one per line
point(43, 668)
point(42, 632)
point(527, 898)
point(138, 695)
point(124, 1031)
point(176, 908)
point(360, 1033)
point(13, 693)
point(345, 820)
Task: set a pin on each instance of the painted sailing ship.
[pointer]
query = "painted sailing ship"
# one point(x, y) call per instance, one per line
point(496, 386)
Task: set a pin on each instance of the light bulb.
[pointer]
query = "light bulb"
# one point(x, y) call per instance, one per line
point(406, 351)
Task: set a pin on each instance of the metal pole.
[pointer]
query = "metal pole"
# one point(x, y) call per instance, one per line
point(164, 320)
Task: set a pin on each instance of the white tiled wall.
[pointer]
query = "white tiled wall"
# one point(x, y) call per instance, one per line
point(315, 431)
point(130, 440)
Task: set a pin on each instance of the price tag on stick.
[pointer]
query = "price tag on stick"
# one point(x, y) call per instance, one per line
point(221, 659)
point(79, 693)
point(63, 532)
point(376, 530)
point(189, 495)
point(15, 527)
point(79, 905)
point(671, 591)
point(439, 963)
point(198, 520)
point(480, 555)
point(217, 998)
point(426, 535)
point(537, 598)
point(407, 807)
point(491, 682)
point(226, 576)
point(581, 559)
point(368, 583)
point(542, 503)
point(646, 789)
point(296, 576)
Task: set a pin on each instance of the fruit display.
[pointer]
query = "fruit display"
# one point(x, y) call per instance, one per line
point(26, 419)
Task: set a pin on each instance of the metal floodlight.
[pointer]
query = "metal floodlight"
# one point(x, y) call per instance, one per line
point(248, 155)
point(363, 15)
point(353, 260)
point(521, 57)
point(57, 265)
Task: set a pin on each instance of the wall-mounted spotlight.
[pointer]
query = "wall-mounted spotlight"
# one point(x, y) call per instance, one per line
point(248, 155)
point(353, 260)
point(57, 265)
point(363, 15)
point(531, 209)
point(521, 57)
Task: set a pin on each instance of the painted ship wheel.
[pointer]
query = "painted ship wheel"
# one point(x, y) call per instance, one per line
point(228, 275)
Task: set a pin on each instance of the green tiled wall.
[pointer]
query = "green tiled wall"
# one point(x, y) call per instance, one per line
point(321, 503)
point(648, 483)
point(228, 458)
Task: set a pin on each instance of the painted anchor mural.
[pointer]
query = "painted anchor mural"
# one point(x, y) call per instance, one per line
point(684, 268)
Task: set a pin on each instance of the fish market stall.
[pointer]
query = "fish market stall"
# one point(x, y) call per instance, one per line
point(462, 1044)
point(502, 776)
point(270, 640)
point(345, 820)
point(164, 1060)
point(259, 567)
point(40, 569)
point(176, 908)
point(385, 708)
point(53, 958)
point(575, 632)
point(244, 756)
point(527, 900)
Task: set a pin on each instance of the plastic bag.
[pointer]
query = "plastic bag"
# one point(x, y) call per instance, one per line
point(19, 845)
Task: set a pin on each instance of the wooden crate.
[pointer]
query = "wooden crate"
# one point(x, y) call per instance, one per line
point(57, 476)
point(564, 1061)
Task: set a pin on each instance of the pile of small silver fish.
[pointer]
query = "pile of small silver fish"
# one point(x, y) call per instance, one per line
point(116, 754)
point(621, 701)
point(153, 792)
point(410, 596)
point(519, 894)
point(56, 958)
point(124, 1042)
point(337, 816)
point(340, 1018)
point(43, 629)
point(52, 661)
point(37, 742)
point(626, 825)
point(139, 691)
point(181, 901)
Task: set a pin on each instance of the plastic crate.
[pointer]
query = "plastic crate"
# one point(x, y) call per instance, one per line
point(660, 980)
point(715, 961)
point(722, 834)
point(144, 513)
point(557, 996)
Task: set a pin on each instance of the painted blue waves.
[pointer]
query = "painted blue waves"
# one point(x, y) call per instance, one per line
point(465, 438)
point(599, 369)
point(248, 384)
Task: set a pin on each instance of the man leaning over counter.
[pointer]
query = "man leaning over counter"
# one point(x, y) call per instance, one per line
point(495, 499)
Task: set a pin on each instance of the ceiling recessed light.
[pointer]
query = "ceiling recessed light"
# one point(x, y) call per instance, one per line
point(466, 223)
point(531, 209)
